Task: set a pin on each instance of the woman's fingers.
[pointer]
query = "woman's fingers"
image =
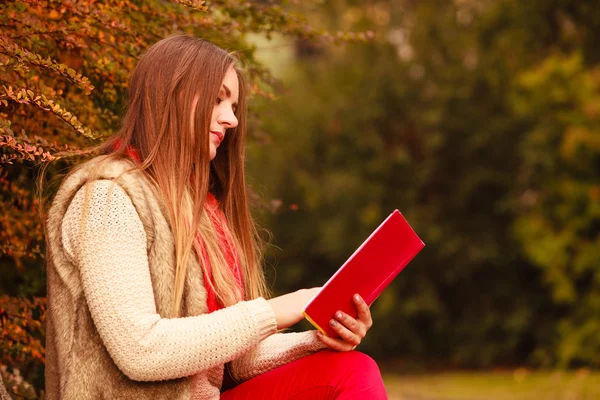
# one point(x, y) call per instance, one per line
point(336, 344)
point(351, 324)
point(350, 330)
point(346, 335)
point(364, 314)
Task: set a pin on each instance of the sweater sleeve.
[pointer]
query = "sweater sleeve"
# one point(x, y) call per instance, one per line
point(109, 247)
point(273, 352)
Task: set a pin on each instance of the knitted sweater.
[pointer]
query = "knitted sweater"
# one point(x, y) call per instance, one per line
point(110, 287)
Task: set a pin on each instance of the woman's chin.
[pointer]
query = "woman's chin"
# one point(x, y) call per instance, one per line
point(212, 152)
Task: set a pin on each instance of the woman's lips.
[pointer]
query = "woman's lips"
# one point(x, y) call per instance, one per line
point(220, 136)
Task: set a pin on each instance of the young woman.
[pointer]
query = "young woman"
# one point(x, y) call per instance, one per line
point(155, 287)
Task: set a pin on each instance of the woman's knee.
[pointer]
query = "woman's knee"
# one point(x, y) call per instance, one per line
point(362, 364)
point(354, 364)
point(359, 377)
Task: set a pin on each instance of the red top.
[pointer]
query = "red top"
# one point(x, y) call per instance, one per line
point(217, 217)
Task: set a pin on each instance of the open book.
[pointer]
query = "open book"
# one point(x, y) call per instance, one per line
point(371, 268)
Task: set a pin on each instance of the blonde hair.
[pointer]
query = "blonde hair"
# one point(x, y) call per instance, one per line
point(172, 93)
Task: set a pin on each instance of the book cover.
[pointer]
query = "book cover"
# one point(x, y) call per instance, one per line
point(368, 271)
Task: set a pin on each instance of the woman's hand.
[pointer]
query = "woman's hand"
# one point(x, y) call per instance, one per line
point(288, 308)
point(352, 331)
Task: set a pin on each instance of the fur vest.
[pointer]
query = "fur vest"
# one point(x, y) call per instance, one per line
point(78, 366)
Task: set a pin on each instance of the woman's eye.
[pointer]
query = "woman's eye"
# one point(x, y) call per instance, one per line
point(219, 100)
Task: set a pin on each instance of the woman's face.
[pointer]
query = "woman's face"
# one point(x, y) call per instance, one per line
point(223, 116)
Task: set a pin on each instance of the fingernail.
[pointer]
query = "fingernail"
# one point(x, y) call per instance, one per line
point(333, 323)
point(319, 334)
point(339, 315)
point(356, 298)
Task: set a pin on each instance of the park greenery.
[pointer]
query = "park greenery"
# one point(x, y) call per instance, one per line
point(478, 119)
point(480, 122)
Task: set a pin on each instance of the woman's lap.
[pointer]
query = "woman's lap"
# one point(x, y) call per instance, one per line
point(323, 375)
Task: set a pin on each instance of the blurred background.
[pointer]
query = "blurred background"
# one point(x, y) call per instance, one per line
point(478, 119)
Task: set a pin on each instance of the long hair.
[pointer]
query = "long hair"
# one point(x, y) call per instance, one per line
point(172, 93)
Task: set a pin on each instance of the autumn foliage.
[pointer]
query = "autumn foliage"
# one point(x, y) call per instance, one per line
point(479, 120)
point(22, 343)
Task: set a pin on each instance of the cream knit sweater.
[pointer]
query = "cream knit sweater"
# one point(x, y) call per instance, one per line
point(108, 243)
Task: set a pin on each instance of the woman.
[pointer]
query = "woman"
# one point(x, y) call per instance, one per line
point(155, 285)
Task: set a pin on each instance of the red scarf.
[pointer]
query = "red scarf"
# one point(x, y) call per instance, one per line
point(217, 217)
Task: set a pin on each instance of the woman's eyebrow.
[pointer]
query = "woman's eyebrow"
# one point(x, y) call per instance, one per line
point(228, 93)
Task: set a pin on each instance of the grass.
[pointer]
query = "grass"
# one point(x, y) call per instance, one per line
point(520, 384)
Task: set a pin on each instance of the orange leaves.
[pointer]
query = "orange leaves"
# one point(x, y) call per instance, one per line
point(26, 96)
point(24, 151)
point(23, 329)
point(21, 235)
point(23, 55)
point(197, 5)
point(53, 14)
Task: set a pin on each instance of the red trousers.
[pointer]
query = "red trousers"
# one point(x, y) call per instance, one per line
point(323, 375)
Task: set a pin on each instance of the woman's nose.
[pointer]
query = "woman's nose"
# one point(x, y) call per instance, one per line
point(228, 118)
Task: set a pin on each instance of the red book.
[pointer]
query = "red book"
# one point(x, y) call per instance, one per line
point(371, 268)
